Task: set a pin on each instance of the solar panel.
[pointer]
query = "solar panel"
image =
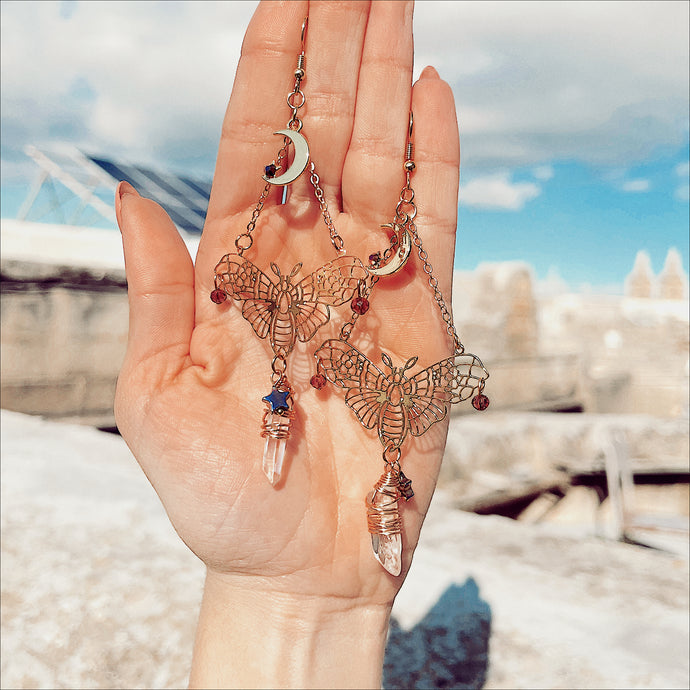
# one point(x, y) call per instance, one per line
point(185, 200)
point(90, 182)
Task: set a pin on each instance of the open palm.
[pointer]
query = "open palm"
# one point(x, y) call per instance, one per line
point(189, 396)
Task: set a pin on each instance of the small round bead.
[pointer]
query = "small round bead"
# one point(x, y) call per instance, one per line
point(409, 166)
point(270, 170)
point(318, 381)
point(360, 305)
point(218, 296)
point(299, 73)
point(480, 402)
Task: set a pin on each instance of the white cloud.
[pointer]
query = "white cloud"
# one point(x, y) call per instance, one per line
point(682, 192)
point(543, 172)
point(498, 191)
point(535, 82)
point(159, 74)
point(638, 185)
point(683, 169)
point(599, 82)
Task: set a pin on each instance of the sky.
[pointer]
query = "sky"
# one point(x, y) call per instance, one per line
point(573, 115)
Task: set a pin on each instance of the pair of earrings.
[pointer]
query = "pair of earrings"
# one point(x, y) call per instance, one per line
point(286, 310)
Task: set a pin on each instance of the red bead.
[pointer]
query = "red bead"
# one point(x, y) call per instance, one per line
point(218, 296)
point(318, 381)
point(270, 171)
point(480, 402)
point(360, 305)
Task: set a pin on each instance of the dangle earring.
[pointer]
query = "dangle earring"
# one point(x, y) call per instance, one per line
point(394, 403)
point(283, 308)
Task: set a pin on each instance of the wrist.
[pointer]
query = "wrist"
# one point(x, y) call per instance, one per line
point(251, 636)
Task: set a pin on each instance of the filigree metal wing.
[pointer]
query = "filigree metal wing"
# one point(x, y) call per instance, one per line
point(335, 282)
point(331, 285)
point(393, 403)
point(244, 281)
point(447, 382)
point(347, 367)
point(308, 318)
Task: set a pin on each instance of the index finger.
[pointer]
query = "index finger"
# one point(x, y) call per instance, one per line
point(257, 106)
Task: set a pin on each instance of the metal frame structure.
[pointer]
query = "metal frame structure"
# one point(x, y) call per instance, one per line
point(89, 179)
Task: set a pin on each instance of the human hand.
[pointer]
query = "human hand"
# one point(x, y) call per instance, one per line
point(189, 396)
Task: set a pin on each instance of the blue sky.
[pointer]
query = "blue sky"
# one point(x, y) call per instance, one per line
point(573, 115)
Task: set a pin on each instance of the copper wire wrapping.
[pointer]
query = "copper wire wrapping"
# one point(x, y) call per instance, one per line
point(276, 422)
point(383, 516)
point(277, 425)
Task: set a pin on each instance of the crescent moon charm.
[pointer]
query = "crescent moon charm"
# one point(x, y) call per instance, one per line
point(399, 259)
point(299, 162)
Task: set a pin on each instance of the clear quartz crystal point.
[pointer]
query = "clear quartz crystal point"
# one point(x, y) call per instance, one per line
point(387, 547)
point(274, 455)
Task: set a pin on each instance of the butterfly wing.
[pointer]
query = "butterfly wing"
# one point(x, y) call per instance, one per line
point(331, 285)
point(347, 367)
point(309, 317)
point(243, 281)
point(430, 391)
point(334, 283)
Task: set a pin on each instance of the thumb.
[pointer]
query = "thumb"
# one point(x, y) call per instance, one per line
point(160, 279)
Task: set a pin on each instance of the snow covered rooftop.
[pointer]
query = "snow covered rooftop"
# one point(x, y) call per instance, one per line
point(65, 245)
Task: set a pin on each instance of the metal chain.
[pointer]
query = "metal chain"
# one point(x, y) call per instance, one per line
point(405, 213)
point(245, 240)
point(295, 100)
point(278, 367)
point(438, 295)
point(348, 326)
point(336, 239)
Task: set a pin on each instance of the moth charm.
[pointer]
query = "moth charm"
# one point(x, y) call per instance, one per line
point(284, 310)
point(393, 403)
point(396, 405)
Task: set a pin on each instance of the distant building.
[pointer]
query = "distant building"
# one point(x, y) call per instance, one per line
point(672, 279)
point(671, 283)
point(640, 280)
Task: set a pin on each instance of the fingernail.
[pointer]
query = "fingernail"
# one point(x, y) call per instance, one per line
point(125, 188)
point(429, 72)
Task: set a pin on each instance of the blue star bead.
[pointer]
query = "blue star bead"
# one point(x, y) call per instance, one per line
point(278, 400)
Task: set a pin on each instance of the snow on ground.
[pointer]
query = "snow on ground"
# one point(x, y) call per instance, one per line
point(66, 245)
point(97, 589)
point(99, 592)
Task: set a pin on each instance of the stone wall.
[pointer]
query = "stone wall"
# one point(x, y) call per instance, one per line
point(568, 351)
point(64, 334)
point(64, 331)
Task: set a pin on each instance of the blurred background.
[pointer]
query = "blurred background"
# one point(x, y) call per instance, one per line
point(571, 284)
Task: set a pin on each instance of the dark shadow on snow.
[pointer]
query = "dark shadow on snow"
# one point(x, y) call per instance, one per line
point(448, 648)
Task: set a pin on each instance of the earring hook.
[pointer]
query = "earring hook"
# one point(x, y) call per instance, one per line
point(304, 31)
